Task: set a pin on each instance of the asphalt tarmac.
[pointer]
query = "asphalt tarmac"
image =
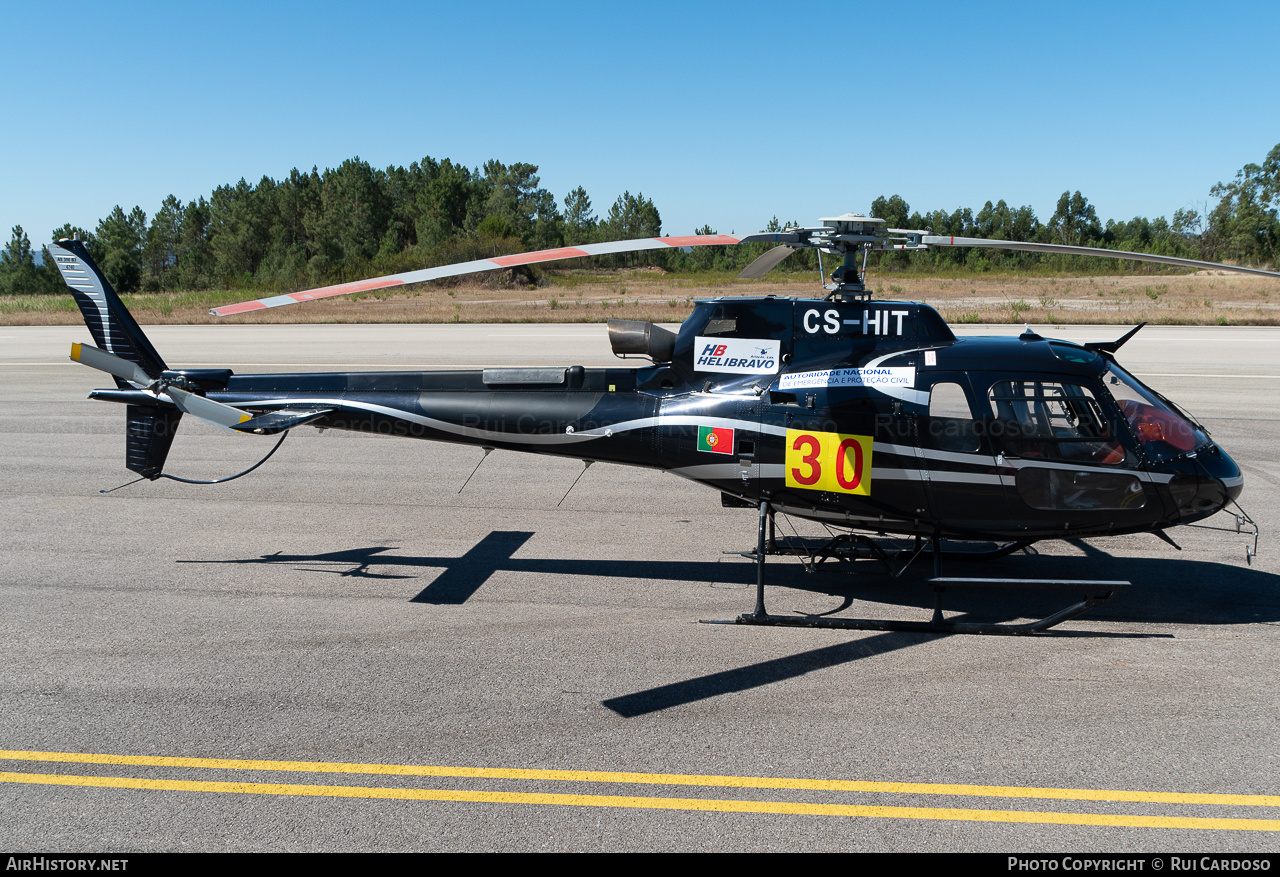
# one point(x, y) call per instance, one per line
point(343, 652)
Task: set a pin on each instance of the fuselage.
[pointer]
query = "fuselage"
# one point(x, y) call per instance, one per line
point(868, 415)
point(859, 413)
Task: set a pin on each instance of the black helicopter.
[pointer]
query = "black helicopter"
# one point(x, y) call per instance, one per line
point(871, 417)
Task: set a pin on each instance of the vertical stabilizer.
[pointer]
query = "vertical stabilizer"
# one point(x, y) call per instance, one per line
point(111, 325)
point(149, 429)
point(149, 434)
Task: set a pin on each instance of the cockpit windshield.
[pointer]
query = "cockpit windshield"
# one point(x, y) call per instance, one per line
point(1163, 432)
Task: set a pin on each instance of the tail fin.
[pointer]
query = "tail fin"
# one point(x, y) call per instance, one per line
point(110, 323)
point(149, 429)
point(149, 433)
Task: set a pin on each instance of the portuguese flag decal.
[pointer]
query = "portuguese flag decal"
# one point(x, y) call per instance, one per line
point(715, 439)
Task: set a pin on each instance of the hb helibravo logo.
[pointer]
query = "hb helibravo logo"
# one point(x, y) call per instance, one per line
point(743, 356)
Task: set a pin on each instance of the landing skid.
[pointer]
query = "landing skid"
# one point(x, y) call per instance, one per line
point(851, 546)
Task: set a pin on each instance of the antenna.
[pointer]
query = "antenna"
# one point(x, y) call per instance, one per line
point(586, 464)
point(483, 457)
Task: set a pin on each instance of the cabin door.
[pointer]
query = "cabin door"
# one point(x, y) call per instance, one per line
point(958, 462)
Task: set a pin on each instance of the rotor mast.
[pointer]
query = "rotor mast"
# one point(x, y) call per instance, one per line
point(851, 236)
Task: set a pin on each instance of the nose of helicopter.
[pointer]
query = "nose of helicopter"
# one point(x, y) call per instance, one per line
point(1224, 470)
point(1215, 482)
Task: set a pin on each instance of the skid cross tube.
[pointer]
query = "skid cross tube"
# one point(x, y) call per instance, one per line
point(765, 520)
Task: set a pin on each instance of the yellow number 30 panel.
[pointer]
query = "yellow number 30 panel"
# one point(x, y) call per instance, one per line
point(829, 461)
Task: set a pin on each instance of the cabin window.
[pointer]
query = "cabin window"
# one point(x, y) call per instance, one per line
point(951, 425)
point(1054, 421)
point(1054, 489)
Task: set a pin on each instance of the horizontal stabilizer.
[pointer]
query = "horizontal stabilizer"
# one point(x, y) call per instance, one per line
point(278, 421)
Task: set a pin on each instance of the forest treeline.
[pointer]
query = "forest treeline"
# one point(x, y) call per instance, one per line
point(1242, 227)
point(356, 221)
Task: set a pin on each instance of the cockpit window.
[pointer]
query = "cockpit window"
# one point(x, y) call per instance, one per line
point(1052, 420)
point(1163, 432)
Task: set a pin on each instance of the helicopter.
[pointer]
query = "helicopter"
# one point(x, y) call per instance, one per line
point(870, 417)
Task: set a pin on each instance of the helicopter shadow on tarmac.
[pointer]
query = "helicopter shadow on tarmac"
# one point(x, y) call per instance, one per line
point(1189, 591)
point(1166, 590)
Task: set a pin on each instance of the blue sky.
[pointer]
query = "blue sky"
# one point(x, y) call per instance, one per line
point(722, 113)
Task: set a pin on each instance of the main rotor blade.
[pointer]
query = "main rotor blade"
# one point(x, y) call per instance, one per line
point(697, 240)
point(766, 262)
point(206, 409)
point(87, 354)
point(947, 241)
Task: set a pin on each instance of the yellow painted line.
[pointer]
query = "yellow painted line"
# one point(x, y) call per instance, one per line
point(703, 804)
point(665, 779)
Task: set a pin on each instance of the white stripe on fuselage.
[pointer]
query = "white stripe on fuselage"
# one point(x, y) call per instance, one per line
point(661, 420)
point(536, 439)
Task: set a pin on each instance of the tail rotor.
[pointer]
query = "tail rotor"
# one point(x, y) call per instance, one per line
point(158, 397)
point(165, 387)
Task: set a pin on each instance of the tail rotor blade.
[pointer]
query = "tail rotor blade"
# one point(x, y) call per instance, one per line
point(206, 409)
point(766, 262)
point(87, 354)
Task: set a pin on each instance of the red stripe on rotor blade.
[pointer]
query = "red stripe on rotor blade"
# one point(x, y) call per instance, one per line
point(343, 289)
point(228, 310)
point(699, 240)
point(539, 256)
